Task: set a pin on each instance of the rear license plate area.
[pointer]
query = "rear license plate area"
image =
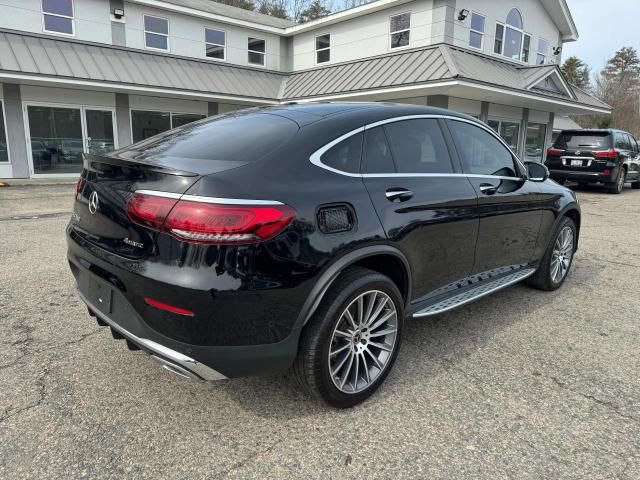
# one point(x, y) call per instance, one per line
point(100, 295)
point(576, 163)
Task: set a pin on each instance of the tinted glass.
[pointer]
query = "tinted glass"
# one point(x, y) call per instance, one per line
point(509, 132)
point(58, 24)
point(480, 152)
point(256, 45)
point(575, 140)
point(56, 139)
point(59, 7)
point(232, 138)
point(214, 36)
point(323, 42)
point(180, 119)
point(156, 41)
point(514, 19)
point(418, 146)
point(345, 156)
point(377, 154)
point(477, 22)
point(400, 22)
point(526, 48)
point(634, 144)
point(4, 155)
point(147, 124)
point(512, 44)
point(99, 125)
point(498, 43)
point(534, 143)
point(323, 56)
point(475, 39)
point(157, 25)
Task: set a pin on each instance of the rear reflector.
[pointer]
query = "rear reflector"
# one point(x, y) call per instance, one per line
point(79, 185)
point(167, 307)
point(611, 153)
point(204, 222)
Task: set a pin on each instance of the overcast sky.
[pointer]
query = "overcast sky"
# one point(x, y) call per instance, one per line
point(604, 27)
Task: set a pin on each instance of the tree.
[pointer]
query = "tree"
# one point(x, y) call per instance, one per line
point(625, 65)
point(315, 10)
point(577, 73)
point(244, 4)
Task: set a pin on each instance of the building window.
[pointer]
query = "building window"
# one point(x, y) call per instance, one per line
point(526, 48)
point(543, 51)
point(509, 131)
point(156, 32)
point(534, 144)
point(323, 48)
point(57, 16)
point(145, 124)
point(215, 43)
point(257, 48)
point(476, 35)
point(399, 30)
point(4, 149)
point(499, 39)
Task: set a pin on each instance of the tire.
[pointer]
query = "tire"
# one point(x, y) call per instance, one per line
point(313, 366)
point(545, 278)
point(618, 186)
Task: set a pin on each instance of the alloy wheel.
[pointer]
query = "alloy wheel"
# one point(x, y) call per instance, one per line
point(363, 341)
point(562, 255)
point(621, 179)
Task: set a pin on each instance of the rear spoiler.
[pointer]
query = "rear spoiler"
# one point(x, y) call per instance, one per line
point(98, 162)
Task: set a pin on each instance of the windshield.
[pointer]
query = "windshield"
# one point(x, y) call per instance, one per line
point(574, 140)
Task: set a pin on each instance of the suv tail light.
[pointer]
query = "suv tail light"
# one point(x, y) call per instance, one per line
point(79, 185)
point(611, 153)
point(204, 222)
point(554, 152)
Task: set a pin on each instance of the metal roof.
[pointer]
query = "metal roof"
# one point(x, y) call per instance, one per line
point(55, 58)
point(69, 59)
point(424, 66)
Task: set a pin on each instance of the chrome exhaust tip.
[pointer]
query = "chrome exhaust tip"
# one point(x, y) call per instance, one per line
point(177, 369)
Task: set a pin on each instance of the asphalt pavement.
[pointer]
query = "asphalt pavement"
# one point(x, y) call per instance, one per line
point(521, 384)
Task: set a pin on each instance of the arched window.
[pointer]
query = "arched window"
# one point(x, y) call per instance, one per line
point(511, 41)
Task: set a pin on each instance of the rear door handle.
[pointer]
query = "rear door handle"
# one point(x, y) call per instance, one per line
point(488, 189)
point(401, 194)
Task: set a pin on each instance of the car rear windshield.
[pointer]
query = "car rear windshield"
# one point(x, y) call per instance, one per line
point(568, 141)
point(241, 138)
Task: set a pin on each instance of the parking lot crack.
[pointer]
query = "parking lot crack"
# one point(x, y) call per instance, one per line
point(41, 396)
point(604, 403)
point(248, 460)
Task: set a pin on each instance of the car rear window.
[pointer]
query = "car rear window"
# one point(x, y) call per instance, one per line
point(583, 140)
point(238, 138)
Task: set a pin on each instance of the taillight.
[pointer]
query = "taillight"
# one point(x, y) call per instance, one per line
point(167, 307)
point(204, 222)
point(79, 185)
point(611, 153)
point(149, 210)
point(554, 152)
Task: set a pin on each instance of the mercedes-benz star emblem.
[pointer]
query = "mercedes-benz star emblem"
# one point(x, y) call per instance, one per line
point(93, 203)
point(578, 152)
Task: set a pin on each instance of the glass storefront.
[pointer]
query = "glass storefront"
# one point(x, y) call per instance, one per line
point(56, 139)
point(509, 131)
point(145, 124)
point(534, 144)
point(59, 136)
point(4, 150)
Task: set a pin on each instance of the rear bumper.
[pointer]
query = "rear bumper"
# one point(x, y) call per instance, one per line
point(578, 176)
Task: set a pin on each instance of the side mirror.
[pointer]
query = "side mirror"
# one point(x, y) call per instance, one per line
point(537, 172)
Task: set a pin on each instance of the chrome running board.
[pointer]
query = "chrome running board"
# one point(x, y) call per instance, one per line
point(474, 293)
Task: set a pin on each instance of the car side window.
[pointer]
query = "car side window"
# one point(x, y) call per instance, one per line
point(377, 154)
point(418, 146)
point(620, 141)
point(630, 143)
point(480, 152)
point(345, 156)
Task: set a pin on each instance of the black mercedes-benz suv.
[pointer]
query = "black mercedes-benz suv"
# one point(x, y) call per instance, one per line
point(611, 157)
point(300, 237)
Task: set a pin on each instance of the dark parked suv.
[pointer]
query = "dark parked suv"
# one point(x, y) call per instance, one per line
point(302, 236)
point(605, 156)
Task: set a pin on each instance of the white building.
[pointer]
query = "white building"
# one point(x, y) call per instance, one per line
point(92, 75)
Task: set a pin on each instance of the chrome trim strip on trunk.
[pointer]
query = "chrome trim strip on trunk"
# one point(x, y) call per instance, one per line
point(198, 369)
point(198, 198)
